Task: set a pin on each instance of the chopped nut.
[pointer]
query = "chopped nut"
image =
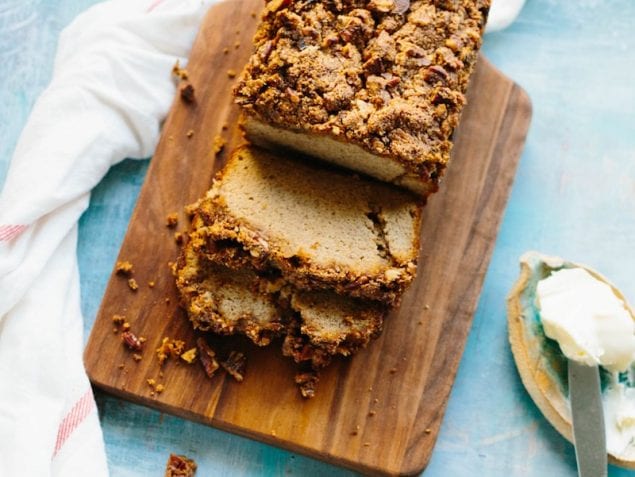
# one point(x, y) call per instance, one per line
point(123, 268)
point(207, 357)
point(231, 73)
point(189, 356)
point(171, 220)
point(218, 144)
point(180, 466)
point(235, 365)
point(132, 283)
point(187, 94)
point(131, 341)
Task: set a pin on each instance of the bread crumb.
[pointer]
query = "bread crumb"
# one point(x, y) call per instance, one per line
point(225, 51)
point(218, 145)
point(118, 320)
point(231, 73)
point(121, 366)
point(366, 444)
point(125, 326)
point(393, 370)
point(375, 400)
point(225, 126)
point(136, 357)
point(132, 283)
point(237, 45)
point(189, 356)
point(190, 133)
point(151, 283)
point(254, 14)
point(179, 72)
point(115, 330)
point(123, 268)
point(171, 220)
point(160, 388)
point(273, 432)
point(428, 430)
point(371, 413)
point(426, 307)
point(179, 238)
point(187, 94)
point(151, 382)
point(167, 301)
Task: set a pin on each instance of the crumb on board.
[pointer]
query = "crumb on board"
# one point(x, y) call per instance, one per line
point(237, 45)
point(375, 400)
point(118, 320)
point(171, 220)
point(189, 356)
point(169, 347)
point(179, 238)
point(218, 145)
point(121, 366)
point(225, 51)
point(125, 326)
point(393, 370)
point(189, 133)
point(179, 72)
point(167, 301)
point(307, 381)
point(371, 413)
point(132, 284)
point(180, 466)
point(151, 382)
point(136, 357)
point(123, 267)
point(428, 431)
point(131, 341)
point(207, 357)
point(235, 365)
point(366, 444)
point(225, 126)
point(151, 283)
point(273, 432)
point(254, 14)
point(187, 94)
point(159, 388)
point(426, 307)
point(231, 73)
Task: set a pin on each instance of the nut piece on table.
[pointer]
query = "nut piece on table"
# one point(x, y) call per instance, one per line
point(235, 365)
point(180, 466)
point(131, 341)
point(207, 357)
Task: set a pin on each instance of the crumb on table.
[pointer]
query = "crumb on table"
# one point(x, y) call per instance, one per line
point(187, 94)
point(132, 283)
point(189, 133)
point(179, 72)
point(179, 238)
point(123, 268)
point(180, 466)
point(189, 356)
point(231, 73)
point(235, 365)
point(171, 220)
point(118, 320)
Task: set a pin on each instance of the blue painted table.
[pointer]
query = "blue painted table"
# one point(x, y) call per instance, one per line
point(574, 196)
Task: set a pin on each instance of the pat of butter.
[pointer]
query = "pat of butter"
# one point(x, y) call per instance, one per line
point(589, 322)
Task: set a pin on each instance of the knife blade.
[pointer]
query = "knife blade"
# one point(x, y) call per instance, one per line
point(585, 397)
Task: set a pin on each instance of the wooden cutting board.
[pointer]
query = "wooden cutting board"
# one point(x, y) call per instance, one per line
point(379, 412)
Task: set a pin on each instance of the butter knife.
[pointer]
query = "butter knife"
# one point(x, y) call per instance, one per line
point(587, 416)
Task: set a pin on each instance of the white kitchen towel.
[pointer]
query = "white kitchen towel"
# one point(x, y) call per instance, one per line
point(110, 91)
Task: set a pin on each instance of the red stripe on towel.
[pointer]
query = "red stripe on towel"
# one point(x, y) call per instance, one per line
point(8, 232)
point(154, 5)
point(80, 410)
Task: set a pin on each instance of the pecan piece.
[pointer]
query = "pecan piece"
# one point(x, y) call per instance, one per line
point(131, 341)
point(180, 466)
point(308, 382)
point(235, 365)
point(187, 93)
point(207, 357)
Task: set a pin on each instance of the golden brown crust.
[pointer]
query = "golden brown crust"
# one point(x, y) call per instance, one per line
point(361, 72)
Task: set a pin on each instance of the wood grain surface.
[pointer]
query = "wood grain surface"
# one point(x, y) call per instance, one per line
point(379, 412)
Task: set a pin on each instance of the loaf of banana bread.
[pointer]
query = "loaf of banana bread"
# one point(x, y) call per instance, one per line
point(376, 86)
